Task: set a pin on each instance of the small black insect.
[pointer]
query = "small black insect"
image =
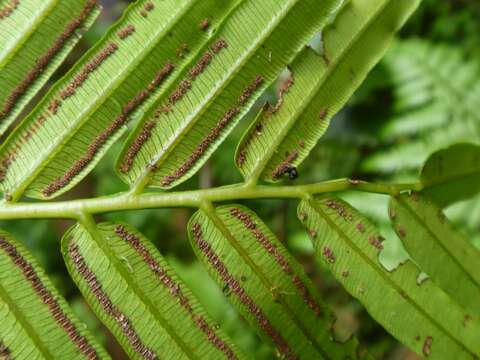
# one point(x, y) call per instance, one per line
point(291, 171)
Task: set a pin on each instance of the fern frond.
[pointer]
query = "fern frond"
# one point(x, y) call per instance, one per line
point(211, 96)
point(70, 130)
point(438, 248)
point(266, 284)
point(35, 38)
point(436, 92)
point(37, 323)
point(350, 246)
point(283, 135)
point(135, 293)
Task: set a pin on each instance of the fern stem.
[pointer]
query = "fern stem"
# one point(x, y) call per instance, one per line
point(129, 201)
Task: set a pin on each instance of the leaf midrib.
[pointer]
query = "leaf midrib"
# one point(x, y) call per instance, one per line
point(329, 71)
point(211, 214)
point(78, 124)
point(382, 275)
point(230, 76)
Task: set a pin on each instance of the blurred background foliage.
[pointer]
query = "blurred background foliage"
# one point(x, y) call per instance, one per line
point(421, 98)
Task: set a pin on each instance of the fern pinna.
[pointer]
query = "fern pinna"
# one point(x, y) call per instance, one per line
point(172, 79)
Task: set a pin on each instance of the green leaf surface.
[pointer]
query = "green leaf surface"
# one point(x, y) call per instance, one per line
point(37, 322)
point(413, 311)
point(135, 293)
point(284, 134)
point(435, 94)
point(453, 174)
point(266, 284)
point(35, 38)
point(213, 94)
point(113, 84)
point(438, 248)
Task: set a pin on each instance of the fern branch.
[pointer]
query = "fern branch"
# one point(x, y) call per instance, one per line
point(128, 201)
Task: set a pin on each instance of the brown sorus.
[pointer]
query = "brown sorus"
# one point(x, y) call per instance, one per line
point(323, 113)
point(201, 65)
point(89, 68)
point(149, 6)
point(427, 346)
point(126, 31)
point(250, 89)
point(136, 145)
point(218, 45)
point(328, 254)
point(204, 24)
point(8, 8)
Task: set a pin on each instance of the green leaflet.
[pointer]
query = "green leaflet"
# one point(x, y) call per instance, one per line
point(70, 130)
point(414, 313)
point(266, 284)
point(209, 99)
point(452, 174)
point(36, 321)
point(284, 134)
point(438, 248)
point(436, 92)
point(135, 293)
point(35, 38)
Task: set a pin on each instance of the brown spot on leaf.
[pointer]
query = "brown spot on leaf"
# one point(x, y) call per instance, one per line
point(322, 115)
point(328, 254)
point(180, 91)
point(149, 6)
point(5, 352)
point(466, 320)
point(427, 346)
point(376, 241)
point(218, 45)
point(339, 208)
point(126, 31)
point(250, 89)
point(204, 24)
point(8, 8)
point(89, 68)
point(201, 65)
point(360, 227)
